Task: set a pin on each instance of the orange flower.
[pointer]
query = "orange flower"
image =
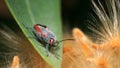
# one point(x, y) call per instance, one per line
point(15, 62)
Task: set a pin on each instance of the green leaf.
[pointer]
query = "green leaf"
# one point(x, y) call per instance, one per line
point(45, 12)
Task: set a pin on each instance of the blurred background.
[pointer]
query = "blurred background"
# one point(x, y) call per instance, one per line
point(75, 13)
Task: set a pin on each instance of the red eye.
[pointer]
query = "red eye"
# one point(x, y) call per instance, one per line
point(51, 41)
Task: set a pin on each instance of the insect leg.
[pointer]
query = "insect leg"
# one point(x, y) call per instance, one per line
point(26, 26)
point(29, 29)
point(47, 50)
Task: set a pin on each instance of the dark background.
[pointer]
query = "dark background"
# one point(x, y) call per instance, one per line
point(75, 13)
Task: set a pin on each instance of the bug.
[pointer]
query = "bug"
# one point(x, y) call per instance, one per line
point(46, 37)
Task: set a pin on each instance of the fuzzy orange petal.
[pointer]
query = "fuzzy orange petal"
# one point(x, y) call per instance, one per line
point(15, 62)
point(82, 41)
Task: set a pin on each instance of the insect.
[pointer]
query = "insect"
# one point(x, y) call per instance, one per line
point(46, 37)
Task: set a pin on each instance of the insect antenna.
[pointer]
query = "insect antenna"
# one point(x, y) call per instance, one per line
point(64, 40)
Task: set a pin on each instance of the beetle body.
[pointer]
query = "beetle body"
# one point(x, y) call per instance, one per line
point(44, 35)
